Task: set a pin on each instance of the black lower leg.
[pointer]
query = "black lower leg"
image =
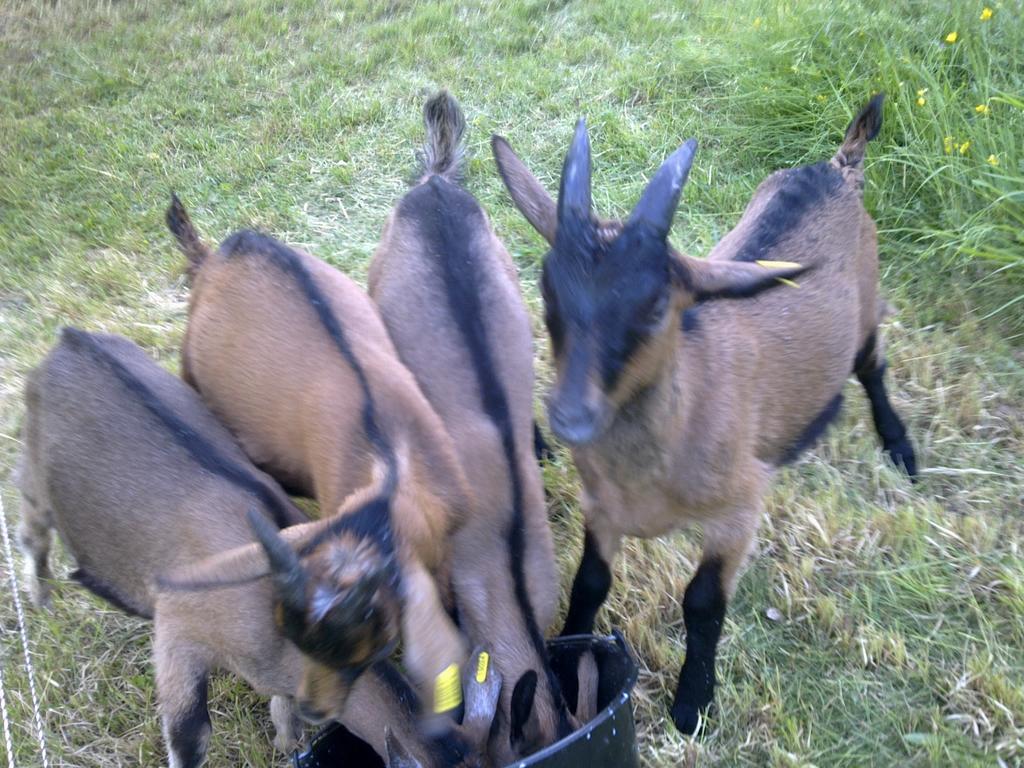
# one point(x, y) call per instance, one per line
point(541, 449)
point(589, 589)
point(887, 423)
point(703, 611)
point(189, 731)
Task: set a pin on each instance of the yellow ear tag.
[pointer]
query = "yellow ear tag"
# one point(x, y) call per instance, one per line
point(781, 265)
point(447, 689)
point(481, 666)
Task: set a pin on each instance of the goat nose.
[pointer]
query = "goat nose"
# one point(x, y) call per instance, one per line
point(576, 424)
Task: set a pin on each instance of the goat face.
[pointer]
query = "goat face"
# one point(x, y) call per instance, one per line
point(337, 604)
point(613, 291)
point(608, 295)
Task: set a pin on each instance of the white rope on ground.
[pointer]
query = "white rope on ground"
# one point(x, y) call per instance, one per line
point(6, 721)
point(15, 594)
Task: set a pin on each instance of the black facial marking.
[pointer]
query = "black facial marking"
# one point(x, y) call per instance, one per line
point(814, 430)
point(202, 451)
point(615, 293)
point(108, 593)
point(799, 192)
point(703, 612)
point(188, 732)
point(449, 220)
point(374, 519)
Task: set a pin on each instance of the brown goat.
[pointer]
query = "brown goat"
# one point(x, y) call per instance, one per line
point(138, 477)
point(680, 408)
point(294, 358)
point(448, 293)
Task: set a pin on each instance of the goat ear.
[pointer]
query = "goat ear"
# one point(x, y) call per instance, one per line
point(587, 676)
point(233, 568)
point(529, 196)
point(522, 705)
point(481, 691)
point(658, 203)
point(712, 279)
point(574, 188)
point(398, 755)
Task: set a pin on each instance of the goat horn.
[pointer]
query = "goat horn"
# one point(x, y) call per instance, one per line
point(574, 190)
point(284, 563)
point(658, 203)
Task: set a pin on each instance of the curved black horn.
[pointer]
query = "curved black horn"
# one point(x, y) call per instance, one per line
point(574, 190)
point(658, 203)
point(284, 563)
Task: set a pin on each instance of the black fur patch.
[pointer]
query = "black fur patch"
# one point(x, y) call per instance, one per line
point(186, 735)
point(704, 607)
point(205, 453)
point(800, 191)
point(865, 356)
point(589, 589)
point(108, 593)
point(374, 519)
point(449, 220)
point(814, 430)
point(690, 319)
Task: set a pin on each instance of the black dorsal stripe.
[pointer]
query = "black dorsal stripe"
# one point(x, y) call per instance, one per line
point(202, 451)
point(449, 220)
point(799, 192)
point(374, 518)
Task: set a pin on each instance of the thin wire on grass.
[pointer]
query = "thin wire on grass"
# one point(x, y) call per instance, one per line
point(40, 734)
point(6, 721)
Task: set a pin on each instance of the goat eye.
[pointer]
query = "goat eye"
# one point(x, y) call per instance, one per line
point(653, 311)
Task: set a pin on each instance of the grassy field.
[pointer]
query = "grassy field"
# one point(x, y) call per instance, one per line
point(880, 623)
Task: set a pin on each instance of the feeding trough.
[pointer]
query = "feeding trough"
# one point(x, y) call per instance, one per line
point(607, 741)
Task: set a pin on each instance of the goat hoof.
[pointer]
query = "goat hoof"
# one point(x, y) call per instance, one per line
point(901, 452)
point(687, 716)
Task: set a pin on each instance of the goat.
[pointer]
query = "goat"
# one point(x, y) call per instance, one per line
point(680, 408)
point(140, 480)
point(294, 359)
point(449, 296)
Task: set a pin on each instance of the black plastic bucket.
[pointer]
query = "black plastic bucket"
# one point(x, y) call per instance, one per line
point(607, 741)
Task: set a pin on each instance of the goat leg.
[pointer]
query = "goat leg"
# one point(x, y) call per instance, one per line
point(727, 541)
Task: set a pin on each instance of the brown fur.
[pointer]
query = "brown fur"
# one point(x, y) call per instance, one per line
point(259, 352)
point(698, 422)
point(407, 280)
point(133, 505)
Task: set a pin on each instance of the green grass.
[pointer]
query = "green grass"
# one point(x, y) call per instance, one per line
point(880, 623)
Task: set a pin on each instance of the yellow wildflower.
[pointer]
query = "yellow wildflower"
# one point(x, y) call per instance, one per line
point(920, 101)
point(922, 91)
point(821, 97)
point(986, 13)
point(951, 37)
point(964, 147)
point(948, 145)
point(992, 160)
point(757, 22)
point(981, 109)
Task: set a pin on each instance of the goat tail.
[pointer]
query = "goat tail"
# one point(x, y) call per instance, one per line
point(863, 128)
point(185, 233)
point(444, 153)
